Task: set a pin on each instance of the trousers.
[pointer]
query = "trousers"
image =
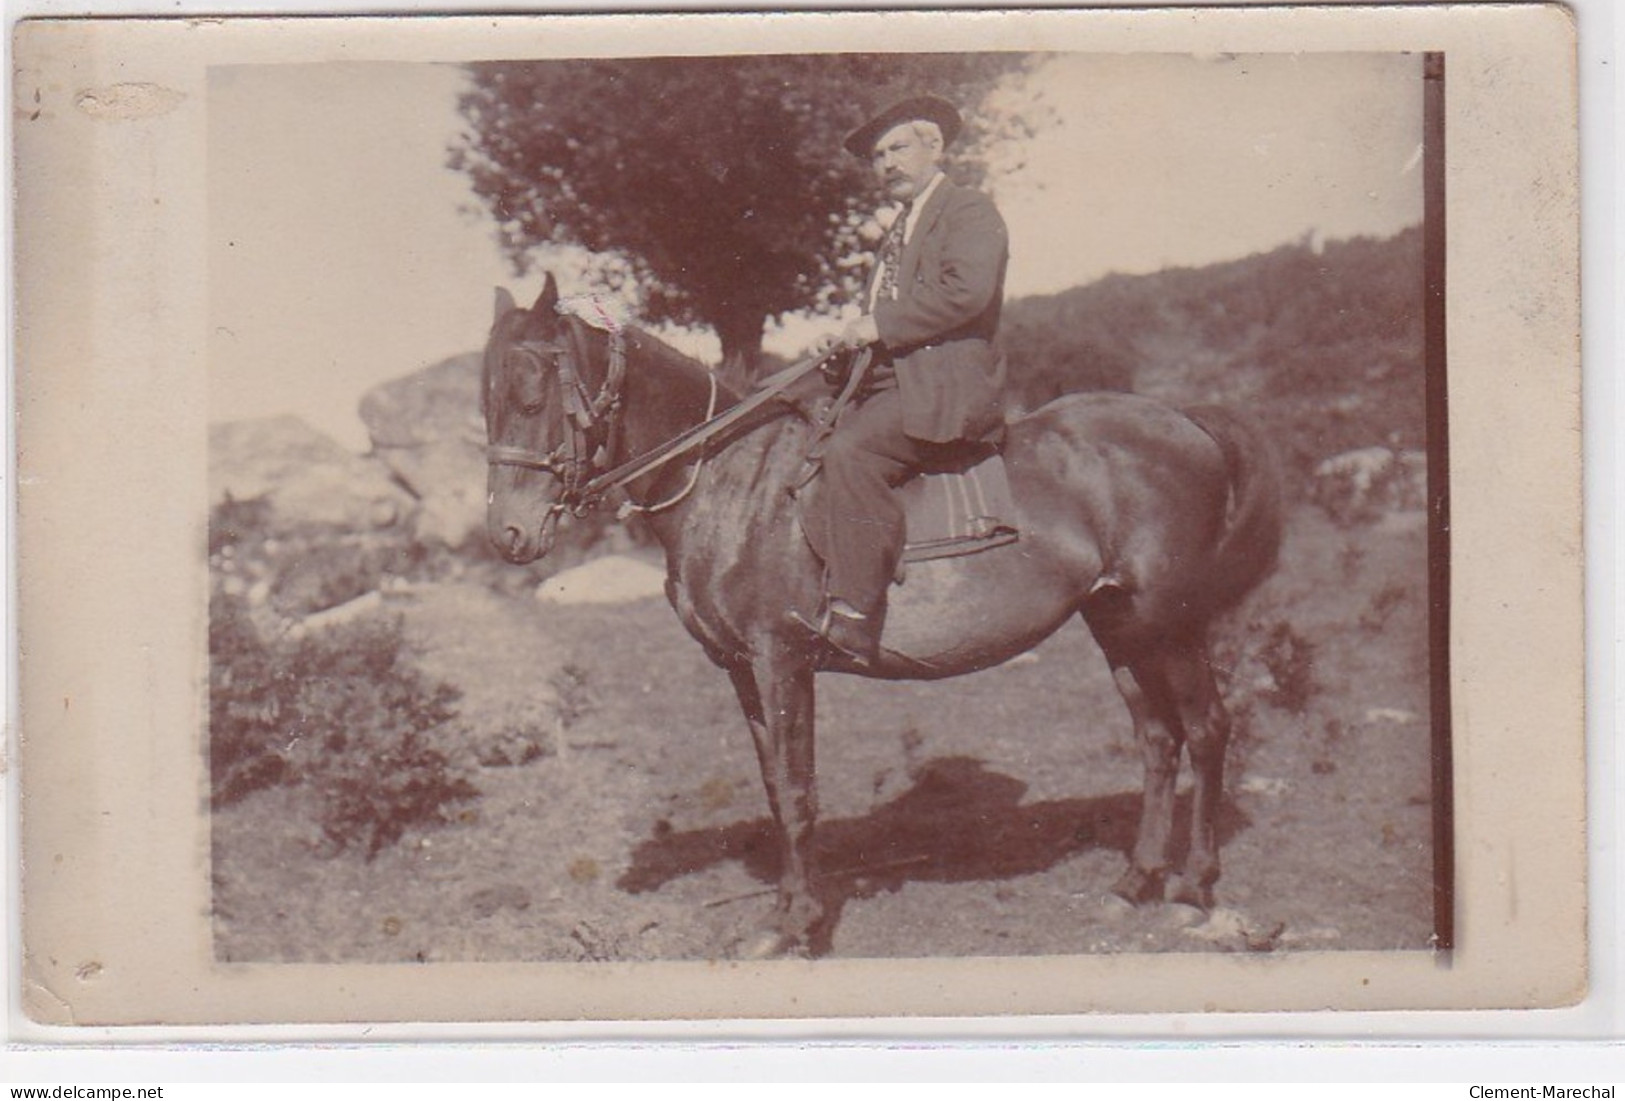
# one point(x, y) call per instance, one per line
point(863, 526)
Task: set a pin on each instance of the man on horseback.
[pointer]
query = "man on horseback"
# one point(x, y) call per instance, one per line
point(934, 380)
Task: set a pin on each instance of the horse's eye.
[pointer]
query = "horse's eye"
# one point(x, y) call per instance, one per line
point(530, 387)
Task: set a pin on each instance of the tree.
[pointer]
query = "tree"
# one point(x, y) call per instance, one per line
point(715, 188)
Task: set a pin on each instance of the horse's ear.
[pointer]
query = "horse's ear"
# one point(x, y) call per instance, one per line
point(504, 304)
point(548, 299)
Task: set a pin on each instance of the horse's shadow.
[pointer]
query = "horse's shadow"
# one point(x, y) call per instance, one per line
point(959, 822)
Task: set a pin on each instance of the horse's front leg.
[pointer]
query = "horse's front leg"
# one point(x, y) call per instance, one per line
point(776, 693)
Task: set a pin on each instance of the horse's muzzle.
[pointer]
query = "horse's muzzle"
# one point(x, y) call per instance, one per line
point(518, 545)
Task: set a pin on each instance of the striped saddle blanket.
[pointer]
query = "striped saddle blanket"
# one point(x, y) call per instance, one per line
point(958, 512)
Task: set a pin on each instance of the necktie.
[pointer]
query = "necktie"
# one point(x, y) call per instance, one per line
point(891, 255)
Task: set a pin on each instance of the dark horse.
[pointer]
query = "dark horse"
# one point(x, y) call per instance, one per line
point(1145, 520)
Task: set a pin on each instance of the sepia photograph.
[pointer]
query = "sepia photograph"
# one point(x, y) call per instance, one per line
point(774, 500)
point(1081, 534)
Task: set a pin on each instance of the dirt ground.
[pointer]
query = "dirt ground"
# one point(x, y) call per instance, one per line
point(986, 815)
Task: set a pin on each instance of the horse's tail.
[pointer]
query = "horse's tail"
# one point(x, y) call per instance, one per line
point(1247, 548)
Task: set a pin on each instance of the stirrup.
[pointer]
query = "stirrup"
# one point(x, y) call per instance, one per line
point(824, 630)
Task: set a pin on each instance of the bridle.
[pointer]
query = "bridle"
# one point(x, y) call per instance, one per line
point(593, 420)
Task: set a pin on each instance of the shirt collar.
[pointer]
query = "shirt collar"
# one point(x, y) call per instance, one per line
point(918, 205)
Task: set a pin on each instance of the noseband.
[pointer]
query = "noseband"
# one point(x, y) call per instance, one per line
point(593, 420)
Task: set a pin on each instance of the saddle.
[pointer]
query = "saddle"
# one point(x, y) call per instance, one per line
point(961, 506)
point(957, 512)
point(950, 511)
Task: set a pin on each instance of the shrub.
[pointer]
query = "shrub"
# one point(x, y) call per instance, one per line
point(250, 703)
point(1290, 659)
point(343, 713)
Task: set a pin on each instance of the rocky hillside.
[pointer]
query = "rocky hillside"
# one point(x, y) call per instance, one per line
point(1322, 344)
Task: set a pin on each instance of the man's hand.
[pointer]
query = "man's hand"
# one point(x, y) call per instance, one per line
point(858, 333)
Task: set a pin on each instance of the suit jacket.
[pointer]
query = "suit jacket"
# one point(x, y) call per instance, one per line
point(940, 327)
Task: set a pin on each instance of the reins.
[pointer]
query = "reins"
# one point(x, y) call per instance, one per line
point(700, 434)
point(588, 414)
point(631, 507)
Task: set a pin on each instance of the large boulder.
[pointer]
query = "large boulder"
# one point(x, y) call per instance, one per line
point(427, 428)
point(305, 477)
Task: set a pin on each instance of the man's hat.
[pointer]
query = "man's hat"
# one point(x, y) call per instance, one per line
point(861, 142)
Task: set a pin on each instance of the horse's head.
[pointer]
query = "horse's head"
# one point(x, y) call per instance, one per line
point(543, 425)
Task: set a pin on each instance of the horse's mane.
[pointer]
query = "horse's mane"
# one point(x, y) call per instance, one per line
point(668, 358)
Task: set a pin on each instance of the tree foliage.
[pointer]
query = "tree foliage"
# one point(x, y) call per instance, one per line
point(714, 188)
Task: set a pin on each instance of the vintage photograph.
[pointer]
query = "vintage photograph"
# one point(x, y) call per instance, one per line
point(898, 505)
point(563, 520)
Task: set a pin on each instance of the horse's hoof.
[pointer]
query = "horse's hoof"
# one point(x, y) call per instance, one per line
point(1138, 886)
point(771, 944)
point(1187, 893)
point(1178, 915)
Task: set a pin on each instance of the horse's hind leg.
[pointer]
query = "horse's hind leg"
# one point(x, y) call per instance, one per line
point(1157, 730)
point(1174, 703)
point(777, 698)
point(1206, 724)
